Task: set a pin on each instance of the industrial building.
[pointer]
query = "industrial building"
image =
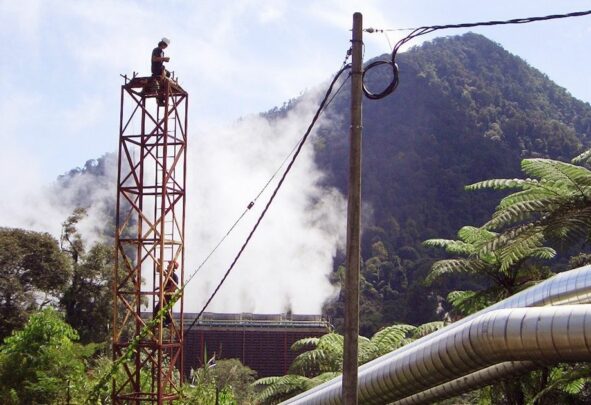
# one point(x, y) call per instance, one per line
point(260, 341)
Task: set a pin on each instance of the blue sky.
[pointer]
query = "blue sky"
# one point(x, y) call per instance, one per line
point(62, 59)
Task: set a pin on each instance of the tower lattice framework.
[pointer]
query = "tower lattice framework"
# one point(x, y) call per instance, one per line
point(150, 235)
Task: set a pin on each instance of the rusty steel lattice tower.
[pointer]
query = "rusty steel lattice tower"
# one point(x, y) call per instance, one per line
point(150, 238)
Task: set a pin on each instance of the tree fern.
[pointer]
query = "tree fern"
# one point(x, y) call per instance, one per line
point(444, 267)
point(278, 389)
point(468, 302)
point(475, 236)
point(584, 157)
point(502, 184)
point(527, 244)
point(560, 173)
point(567, 379)
point(305, 343)
point(326, 356)
point(427, 328)
point(390, 338)
point(451, 246)
point(518, 212)
point(531, 194)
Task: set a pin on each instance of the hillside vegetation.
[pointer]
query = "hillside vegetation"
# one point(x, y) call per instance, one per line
point(465, 110)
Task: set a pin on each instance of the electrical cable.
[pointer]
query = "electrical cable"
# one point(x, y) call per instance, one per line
point(428, 29)
point(273, 195)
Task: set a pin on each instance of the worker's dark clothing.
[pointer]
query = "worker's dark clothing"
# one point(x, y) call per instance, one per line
point(158, 66)
point(169, 289)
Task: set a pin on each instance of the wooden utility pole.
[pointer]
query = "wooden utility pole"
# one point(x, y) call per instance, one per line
point(349, 386)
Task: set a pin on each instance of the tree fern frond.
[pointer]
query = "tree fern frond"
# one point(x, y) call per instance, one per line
point(501, 184)
point(427, 328)
point(390, 337)
point(467, 302)
point(280, 388)
point(569, 223)
point(451, 246)
point(332, 341)
point(327, 356)
point(557, 172)
point(521, 247)
point(562, 379)
point(584, 157)
point(543, 253)
point(520, 211)
point(442, 267)
point(474, 235)
point(574, 387)
point(311, 361)
point(532, 194)
point(406, 341)
point(305, 343)
point(324, 377)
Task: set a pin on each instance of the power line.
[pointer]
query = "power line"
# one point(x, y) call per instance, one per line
point(273, 195)
point(428, 29)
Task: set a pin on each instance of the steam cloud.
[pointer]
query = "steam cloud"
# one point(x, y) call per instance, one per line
point(287, 263)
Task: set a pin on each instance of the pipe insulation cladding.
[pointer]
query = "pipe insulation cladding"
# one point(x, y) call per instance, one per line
point(500, 333)
point(470, 382)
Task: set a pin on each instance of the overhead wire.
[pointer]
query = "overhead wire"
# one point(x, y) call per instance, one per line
point(429, 29)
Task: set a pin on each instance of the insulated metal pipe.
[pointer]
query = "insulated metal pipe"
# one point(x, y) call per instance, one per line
point(569, 287)
point(549, 334)
point(470, 382)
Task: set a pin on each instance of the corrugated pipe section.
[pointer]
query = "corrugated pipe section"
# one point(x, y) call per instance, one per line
point(417, 367)
point(478, 379)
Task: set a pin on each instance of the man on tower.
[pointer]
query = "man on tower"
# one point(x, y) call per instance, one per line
point(158, 58)
point(158, 71)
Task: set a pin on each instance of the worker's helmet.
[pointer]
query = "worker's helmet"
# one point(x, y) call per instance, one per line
point(165, 40)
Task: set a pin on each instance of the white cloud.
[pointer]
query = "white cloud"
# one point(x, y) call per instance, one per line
point(290, 256)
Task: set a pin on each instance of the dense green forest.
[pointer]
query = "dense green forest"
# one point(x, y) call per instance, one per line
point(465, 111)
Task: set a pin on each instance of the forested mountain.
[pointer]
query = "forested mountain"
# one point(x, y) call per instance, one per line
point(465, 110)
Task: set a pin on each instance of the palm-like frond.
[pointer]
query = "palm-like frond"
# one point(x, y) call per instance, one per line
point(502, 184)
point(584, 157)
point(475, 236)
point(571, 381)
point(468, 302)
point(525, 245)
point(390, 338)
point(280, 388)
point(451, 246)
point(324, 377)
point(531, 194)
point(427, 328)
point(518, 212)
point(305, 343)
point(569, 222)
point(557, 172)
point(327, 356)
point(494, 245)
point(543, 252)
point(443, 267)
